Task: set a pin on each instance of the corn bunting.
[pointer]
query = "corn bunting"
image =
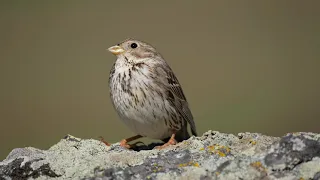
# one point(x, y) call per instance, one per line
point(147, 95)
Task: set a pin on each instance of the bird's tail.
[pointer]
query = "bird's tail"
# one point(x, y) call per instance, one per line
point(183, 134)
point(194, 132)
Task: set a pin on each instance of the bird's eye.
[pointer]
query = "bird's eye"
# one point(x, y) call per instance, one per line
point(133, 45)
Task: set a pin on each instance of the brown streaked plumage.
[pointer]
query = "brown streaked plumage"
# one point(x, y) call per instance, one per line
point(147, 95)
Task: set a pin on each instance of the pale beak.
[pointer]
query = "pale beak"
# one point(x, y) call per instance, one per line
point(116, 50)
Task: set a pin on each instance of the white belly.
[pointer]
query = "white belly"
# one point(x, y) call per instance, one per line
point(147, 120)
point(145, 126)
point(145, 112)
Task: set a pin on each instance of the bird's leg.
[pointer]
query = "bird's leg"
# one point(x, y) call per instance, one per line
point(172, 141)
point(123, 143)
point(105, 142)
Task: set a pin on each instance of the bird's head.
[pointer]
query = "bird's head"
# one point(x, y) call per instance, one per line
point(134, 51)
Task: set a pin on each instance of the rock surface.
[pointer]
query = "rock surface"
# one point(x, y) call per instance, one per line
point(214, 155)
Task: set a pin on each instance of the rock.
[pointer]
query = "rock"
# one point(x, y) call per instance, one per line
point(214, 155)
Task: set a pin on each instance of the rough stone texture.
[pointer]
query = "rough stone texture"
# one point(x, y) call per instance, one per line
point(214, 155)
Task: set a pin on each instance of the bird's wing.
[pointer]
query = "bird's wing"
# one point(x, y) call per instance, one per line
point(175, 94)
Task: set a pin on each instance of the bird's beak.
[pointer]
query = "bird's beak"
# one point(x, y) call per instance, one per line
point(116, 50)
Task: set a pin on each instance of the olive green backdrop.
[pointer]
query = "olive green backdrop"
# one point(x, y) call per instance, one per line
point(244, 65)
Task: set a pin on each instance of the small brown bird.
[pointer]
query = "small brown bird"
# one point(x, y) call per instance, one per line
point(147, 95)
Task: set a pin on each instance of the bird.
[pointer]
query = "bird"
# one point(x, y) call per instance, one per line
point(147, 95)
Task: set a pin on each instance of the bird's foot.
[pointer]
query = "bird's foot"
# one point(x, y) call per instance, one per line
point(105, 142)
point(124, 144)
point(171, 141)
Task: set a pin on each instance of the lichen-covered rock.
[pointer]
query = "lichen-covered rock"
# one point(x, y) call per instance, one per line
point(214, 155)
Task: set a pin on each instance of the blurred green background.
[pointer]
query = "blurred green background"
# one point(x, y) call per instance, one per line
point(244, 65)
